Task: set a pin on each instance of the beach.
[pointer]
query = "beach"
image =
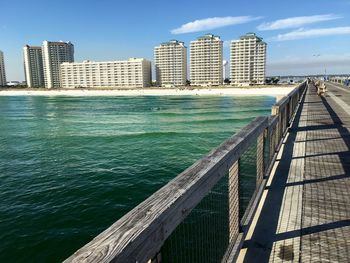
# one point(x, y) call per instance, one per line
point(229, 91)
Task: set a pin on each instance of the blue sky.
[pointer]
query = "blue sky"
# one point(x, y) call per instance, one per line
point(303, 36)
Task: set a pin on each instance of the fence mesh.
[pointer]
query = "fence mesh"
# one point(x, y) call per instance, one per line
point(270, 145)
point(204, 235)
point(247, 175)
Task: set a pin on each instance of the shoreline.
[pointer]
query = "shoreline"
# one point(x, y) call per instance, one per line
point(230, 91)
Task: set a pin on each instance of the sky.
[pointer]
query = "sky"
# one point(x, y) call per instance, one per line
point(303, 36)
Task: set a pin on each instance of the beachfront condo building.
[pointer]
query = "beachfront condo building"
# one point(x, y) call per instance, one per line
point(33, 66)
point(170, 61)
point(248, 60)
point(54, 54)
point(131, 73)
point(2, 70)
point(206, 61)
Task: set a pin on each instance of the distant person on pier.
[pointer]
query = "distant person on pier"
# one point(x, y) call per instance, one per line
point(321, 89)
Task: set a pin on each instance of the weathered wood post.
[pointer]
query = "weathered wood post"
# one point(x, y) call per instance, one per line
point(272, 139)
point(275, 111)
point(291, 108)
point(284, 120)
point(272, 133)
point(234, 201)
point(260, 159)
point(287, 108)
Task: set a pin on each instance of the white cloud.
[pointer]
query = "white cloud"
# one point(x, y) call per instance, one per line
point(294, 22)
point(212, 23)
point(312, 33)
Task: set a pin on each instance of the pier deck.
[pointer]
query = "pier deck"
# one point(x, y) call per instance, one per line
point(304, 213)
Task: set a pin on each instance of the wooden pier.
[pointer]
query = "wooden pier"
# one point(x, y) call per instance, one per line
point(277, 191)
point(304, 215)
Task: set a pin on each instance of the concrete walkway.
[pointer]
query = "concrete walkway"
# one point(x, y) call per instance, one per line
point(304, 214)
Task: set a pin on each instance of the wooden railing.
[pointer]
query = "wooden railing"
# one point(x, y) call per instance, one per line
point(343, 81)
point(140, 235)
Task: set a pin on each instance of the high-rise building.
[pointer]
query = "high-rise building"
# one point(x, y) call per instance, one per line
point(170, 61)
point(131, 73)
point(206, 61)
point(33, 66)
point(2, 70)
point(54, 54)
point(248, 60)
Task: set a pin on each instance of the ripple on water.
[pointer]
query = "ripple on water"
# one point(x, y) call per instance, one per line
point(70, 167)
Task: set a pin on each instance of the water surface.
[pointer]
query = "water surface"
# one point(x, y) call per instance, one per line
point(71, 166)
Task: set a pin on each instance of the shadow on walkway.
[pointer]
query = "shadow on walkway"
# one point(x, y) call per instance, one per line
point(260, 245)
point(345, 135)
point(325, 149)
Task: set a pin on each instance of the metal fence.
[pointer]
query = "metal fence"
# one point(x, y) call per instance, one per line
point(203, 214)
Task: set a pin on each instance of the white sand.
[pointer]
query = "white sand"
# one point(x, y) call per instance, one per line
point(251, 91)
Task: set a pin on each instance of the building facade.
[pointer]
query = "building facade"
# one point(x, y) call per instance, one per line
point(54, 54)
point(170, 61)
point(2, 70)
point(206, 61)
point(248, 60)
point(134, 73)
point(33, 66)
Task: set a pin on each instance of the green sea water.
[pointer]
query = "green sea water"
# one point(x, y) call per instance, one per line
point(72, 166)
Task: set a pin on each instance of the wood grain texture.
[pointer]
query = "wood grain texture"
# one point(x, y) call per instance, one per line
point(234, 201)
point(259, 159)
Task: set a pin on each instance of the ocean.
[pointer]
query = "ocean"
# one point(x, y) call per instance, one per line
point(72, 166)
